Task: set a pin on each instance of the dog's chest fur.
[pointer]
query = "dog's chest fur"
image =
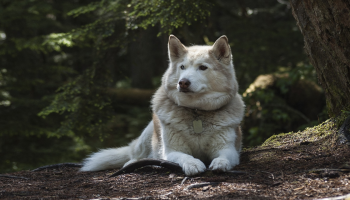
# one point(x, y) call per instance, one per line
point(181, 120)
point(176, 128)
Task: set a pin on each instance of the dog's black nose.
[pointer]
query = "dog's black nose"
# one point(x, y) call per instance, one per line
point(184, 83)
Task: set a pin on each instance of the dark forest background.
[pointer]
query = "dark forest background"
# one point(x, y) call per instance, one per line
point(77, 76)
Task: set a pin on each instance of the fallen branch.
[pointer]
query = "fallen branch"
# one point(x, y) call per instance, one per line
point(158, 162)
point(327, 170)
point(145, 162)
point(16, 177)
point(56, 166)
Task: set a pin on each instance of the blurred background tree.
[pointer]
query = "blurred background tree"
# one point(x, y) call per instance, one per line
point(77, 75)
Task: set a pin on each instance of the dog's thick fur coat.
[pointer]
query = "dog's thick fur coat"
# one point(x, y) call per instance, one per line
point(197, 113)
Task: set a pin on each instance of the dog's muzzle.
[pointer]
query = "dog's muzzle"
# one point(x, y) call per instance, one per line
point(184, 84)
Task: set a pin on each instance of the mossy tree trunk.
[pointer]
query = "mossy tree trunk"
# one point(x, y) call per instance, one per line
point(325, 25)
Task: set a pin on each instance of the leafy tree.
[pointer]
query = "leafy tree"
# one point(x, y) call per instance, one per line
point(83, 101)
point(185, 18)
point(35, 59)
point(66, 66)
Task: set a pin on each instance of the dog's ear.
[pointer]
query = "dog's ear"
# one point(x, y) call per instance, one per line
point(221, 49)
point(176, 48)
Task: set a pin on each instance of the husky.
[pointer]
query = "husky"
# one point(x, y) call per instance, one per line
point(197, 113)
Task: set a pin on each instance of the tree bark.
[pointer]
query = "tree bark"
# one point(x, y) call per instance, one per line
point(325, 25)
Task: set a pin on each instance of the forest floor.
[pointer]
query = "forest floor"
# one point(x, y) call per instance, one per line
point(306, 165)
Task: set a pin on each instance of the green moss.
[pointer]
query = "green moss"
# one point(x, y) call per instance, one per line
point(341, 118)
point(275, 140)
point(335, 104)
point(311, 134)
point(262, 156)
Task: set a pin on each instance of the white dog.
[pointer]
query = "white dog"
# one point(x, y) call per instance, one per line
point(197, 113)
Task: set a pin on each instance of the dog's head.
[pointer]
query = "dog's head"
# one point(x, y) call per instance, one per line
point(200, 77)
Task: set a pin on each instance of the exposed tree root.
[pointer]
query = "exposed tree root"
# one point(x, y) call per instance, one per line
point(145, 162)
point(56, 166)
point(15, 177)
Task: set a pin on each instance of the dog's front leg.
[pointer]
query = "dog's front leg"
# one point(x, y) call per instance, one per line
point(225, 160)
point(190, 165)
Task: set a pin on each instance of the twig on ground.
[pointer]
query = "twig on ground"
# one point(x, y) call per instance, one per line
point(145, 162)
point(326, 169)
point(198, 185)
point(183, 181)
point(16, 177)
point(56, 166)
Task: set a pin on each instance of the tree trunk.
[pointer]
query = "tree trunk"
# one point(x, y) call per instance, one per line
point(144, 57)
point(325, 25)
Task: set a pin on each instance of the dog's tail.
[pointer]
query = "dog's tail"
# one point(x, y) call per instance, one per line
point(107, 159)
point(119, 157)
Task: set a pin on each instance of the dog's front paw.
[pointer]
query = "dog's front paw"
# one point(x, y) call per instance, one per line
point(193, 166)
point(220, 164)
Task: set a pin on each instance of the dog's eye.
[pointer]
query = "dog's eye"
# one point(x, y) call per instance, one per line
point(202, 67)
point(182, 67)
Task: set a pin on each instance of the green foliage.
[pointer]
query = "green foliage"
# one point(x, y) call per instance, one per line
point(170, 14)
point(29, 152)
point(58, 59)
point(84, 105)
point(38, 54)
point(82, 101)
point(279, 103)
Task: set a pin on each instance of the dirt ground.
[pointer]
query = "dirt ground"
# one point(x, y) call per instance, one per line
point(304, 165)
